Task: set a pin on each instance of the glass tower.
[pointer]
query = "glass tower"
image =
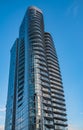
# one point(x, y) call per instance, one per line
point(35, 92)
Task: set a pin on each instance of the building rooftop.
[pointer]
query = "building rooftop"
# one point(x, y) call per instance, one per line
point(35, 8)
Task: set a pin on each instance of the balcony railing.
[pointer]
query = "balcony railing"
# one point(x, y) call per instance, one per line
point(60, 122)
point(47, 122)
point(58, 96)
point(56, 91)
point(56, 105)
point(55, 86)
point(48, 115)
point(60, 118)
point(58, 101)
point(57, 127)
point(46, 90)
point(47, 108)
point(47, 102)
point(46, 96)
point(59, 111)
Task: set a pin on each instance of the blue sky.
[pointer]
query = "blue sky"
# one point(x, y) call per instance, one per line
point(64, 20)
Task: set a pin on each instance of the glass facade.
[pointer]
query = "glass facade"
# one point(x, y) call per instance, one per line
point(11, 99)
point(35, 93)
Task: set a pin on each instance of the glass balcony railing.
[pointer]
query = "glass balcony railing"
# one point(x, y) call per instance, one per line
point(46, 90)
point(52, 73)
point(47, 108)
point(40, 57)
point(56, 105)
point(60, 122)
point(47, 122)
point(56, 91)
point(58, 101)
point(53, 70)
point(59, 116)
point(55, 86)
point(45, 79)
point(45, 84)
point(57, 127)
point(48, 115)
point(59, 111)
point(46, 96)
point(54, 76)
point(58, 96)
point(56, 82)
point(47, 102)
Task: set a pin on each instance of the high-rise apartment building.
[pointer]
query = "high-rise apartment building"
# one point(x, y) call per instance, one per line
point(35, 93)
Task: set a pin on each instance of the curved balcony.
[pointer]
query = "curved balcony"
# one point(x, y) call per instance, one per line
point(47, 109)
point(47, 102)
point(49, 123)
point(48, 116)
point(58, 101)
point(60, 118)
